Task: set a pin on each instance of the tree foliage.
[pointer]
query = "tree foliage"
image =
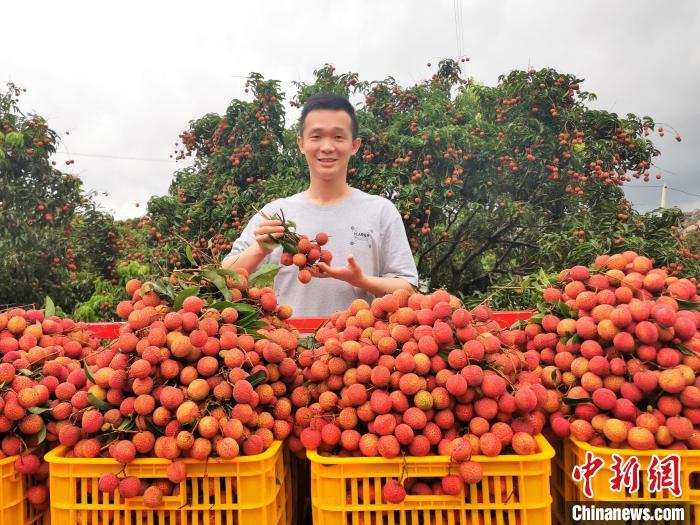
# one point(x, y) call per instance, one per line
point(53, 239)
point(493, 182)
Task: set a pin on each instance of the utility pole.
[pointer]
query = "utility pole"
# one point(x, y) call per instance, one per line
point(664, 192)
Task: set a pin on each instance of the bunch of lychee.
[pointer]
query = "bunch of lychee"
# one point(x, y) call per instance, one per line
point(417, 375)
point(40, 388)
point(622, 339)
point(306, 254)
point(186, 384)
point(299, 250)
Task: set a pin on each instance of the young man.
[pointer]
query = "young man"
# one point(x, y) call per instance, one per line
point(364, 230)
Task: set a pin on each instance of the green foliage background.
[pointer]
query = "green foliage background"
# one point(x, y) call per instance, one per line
point(494, 183)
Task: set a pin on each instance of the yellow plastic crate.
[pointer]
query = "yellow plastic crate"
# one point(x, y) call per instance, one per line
point(515, 491)
point(575, 454)
point(246, 490)
point(557, 481)
point(14, 507)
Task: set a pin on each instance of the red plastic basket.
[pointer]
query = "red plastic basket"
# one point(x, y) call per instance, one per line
point(310, 324)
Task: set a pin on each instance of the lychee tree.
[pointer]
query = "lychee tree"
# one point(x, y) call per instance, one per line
point(492, 181)
point(54, 241)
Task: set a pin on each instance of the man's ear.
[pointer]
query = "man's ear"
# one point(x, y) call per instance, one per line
point(300, 143)
point(356, 145)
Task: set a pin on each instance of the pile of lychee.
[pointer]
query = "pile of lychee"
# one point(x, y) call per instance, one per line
point(306, 255)
point(300, 250)
point(186, 384)
point(41, 387)
point(418, 375)
point(622, 340)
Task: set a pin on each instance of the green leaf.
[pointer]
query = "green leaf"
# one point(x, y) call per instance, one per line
point(245, 308)
point(254, 334)
point(685, 350)
point(190, 257)
point(219, 282)
point(288, 247)
point(257, 378)
point(98, 403)
point(688, 305)
point(25, 372)
point(49, 307)
point(42, 435)
point(153, 428)
point(563, 309)
point(251, 324)
point(307, 342)
point(126, 424)
point(264, 276)
point(14, 138)
point(39, 410)
point(184, 294)
point(161, 289)
point(573, 401)
point(536, 318)
point(220, 305)
point(88, 372)
point(229, 273)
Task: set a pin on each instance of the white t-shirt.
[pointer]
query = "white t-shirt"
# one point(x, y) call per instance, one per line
point(367, 226)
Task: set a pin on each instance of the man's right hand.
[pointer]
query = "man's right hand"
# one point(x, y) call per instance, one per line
point(264, 230)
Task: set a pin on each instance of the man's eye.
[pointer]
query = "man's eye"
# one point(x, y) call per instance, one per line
point(339, 137)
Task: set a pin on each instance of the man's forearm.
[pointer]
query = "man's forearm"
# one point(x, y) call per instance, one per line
point(380, 286)
point(250, 259)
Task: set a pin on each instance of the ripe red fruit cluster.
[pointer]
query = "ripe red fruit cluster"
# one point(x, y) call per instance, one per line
point(418, 375)
point(306, 255)
point(175, 383)
point(626, 347)
point(190, 384)
point(42, 384)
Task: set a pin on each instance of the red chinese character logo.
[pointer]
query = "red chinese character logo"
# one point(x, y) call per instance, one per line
point(586, 471)
point(665, 474)
point(625, 474)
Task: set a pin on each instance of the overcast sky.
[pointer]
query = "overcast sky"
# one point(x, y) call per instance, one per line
point(125, 80)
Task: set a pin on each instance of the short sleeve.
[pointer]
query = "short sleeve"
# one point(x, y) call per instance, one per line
point(396, 257)
point(246, 238)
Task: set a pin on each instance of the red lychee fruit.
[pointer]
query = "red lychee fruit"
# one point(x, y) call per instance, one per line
point(130, 487)
point(27, 464)
point(123, 451)
point(393, 492)
point(523, 444)
point(452, 485)
point(471, 472)
point(108, 483)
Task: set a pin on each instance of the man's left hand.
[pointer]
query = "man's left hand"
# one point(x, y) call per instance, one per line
point(351, 274)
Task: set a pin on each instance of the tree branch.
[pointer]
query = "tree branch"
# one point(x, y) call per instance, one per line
point(441, 241)
point(495, 267)
point(518, 243)
point(456, 242)
point(485, 245)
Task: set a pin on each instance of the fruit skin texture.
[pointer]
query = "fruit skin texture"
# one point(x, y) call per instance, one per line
point(452, 485)
point(393, 492)
point(471, 472)
point(152, 497)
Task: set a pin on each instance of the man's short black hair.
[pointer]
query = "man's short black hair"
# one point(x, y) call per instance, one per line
point(327, 101)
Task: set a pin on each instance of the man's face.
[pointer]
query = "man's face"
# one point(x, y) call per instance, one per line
point(327, 143)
